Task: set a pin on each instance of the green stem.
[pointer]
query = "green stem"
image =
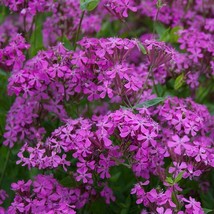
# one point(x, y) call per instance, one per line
point(174, 195)
point(155, 20)
point(5, 167)
point(155, 87)
point(78, 31)
point(129, 103)
point(145, 84)
point(121, 163)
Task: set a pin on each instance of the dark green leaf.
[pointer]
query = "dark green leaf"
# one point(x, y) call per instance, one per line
point(203, 92)
point(66, 42)
point(68, 181)
point(115, 177)
point(36, 39)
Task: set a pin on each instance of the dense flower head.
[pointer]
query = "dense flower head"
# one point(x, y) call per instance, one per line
point(161, 201)
point(7, 30)
point(31, 8)
point(43, 195)
point(189, 139)
point(77, 137)
point(21, 116)
point(98, 71)
point(68, 16)
point(103, 53)
point(12, 56)
point(195, 35)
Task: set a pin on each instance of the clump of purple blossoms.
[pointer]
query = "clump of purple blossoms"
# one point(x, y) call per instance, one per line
point(44, 195)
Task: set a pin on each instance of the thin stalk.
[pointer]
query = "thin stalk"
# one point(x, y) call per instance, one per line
point(121, 163)
point(5, 167)
point(155, 20)
point(145, 84)
point(176, 199)
point(78, 31)
point(155, 87)
point(129, 103)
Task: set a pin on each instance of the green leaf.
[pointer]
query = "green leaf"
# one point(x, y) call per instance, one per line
point(169, 180)
point(150, 103)
point(160, 4)
point(124, 107)
point(143, 50)
point(174, 34)
point(170, 35)
point(3, 73)
point(115, 177)
point(66, 42)
point(165, 37)
point(68, 181)
point(206, 211)
point(179, 81)
point(207, 199)
point(179, 177)
point(36, 39)
point(88, 5)
point(159, 28)
point(204, 91)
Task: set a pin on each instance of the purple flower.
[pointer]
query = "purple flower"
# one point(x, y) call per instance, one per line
point(147, 137)
point(107, 193)
point(161, 210)
point(83, 175)
point(177, 168)
point(3, 196)
point(193, 206)
point(179, 144)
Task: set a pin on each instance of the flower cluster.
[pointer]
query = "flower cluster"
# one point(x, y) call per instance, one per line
point(44, 195)
point(12, 56)
point(97, 71)
point(30, 8)
point(189, 138)
point(135, 131)
point(161, 201)
point(195, 36)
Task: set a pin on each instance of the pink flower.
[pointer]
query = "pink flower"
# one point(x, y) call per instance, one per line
point(83, 175)
point(179, 144)
point(147, 137)
point(193, 206)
